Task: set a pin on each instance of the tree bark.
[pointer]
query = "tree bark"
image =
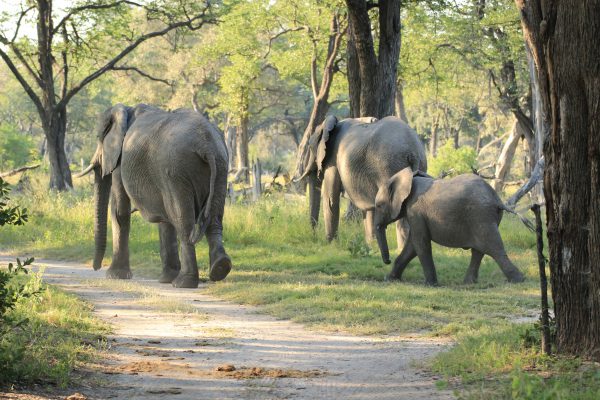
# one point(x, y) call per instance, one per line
point(400, 108)
point(377, 72)
point(563, 37)
point(506, 156)
point(241, 145)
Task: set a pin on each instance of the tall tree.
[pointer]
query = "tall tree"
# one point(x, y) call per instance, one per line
point(377, 71)
point(563, 38)
point(54, 66)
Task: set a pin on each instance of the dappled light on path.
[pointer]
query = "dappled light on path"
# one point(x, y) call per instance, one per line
point(186, 344)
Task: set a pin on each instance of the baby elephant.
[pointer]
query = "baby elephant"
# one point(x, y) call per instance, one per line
point(460, 212)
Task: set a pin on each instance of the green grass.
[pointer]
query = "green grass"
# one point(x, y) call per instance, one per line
point(293, 273)
point(59, 335)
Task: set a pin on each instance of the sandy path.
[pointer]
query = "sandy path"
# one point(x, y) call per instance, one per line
point(156, 354)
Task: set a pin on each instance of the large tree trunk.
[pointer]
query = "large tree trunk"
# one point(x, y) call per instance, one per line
point(377, 71)
point(353, 75)
point(563, 37)
point(55, 127)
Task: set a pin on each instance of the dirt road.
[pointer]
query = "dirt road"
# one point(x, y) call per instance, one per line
point(171, 343)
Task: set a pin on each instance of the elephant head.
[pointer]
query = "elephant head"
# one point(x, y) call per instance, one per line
point(317, 147)
point(111, 128)
point(388, 206)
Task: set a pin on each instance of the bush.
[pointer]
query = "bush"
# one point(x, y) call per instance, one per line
point(15, 149)
point(452, 161)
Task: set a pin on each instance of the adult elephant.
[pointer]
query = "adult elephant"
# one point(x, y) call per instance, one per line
point(172, 167)
point(358, 155)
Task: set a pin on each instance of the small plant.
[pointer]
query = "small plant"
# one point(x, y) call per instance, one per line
point(358, 247)
point(10, 215)
point(532, 336)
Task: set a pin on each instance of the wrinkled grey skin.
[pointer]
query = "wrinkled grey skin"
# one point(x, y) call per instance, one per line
point(172, 167)
point(460, 212)
point(359, 155)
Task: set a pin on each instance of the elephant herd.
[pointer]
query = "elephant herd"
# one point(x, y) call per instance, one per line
point(172, 168)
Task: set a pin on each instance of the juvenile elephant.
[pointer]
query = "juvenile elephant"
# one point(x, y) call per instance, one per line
point(460, 212)
point(359, 155)
point(172, 167)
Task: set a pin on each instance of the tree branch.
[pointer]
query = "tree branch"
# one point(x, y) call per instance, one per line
point(109, 65)
point(32, 95)
point(79, 9)
point(142, 73)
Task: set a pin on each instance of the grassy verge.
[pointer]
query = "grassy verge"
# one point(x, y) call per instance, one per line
point(58, 335)
point(289, 270)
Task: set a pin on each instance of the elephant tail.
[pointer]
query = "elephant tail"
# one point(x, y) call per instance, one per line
point(523, 219)
point(204, 214)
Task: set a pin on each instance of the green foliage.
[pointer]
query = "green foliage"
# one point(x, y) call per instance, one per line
point(14, 215)
point(16, 149)
point(358, 247)
point(452, 161)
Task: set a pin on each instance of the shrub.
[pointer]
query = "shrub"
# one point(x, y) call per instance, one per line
point(452, 161)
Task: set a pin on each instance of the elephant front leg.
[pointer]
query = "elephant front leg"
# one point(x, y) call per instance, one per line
point(220, 263)
point(168, 252)
point(406, 256)
point(423, 249)
point(121, 221)
point(332, 188)
point(368, 217)
point(402, 232)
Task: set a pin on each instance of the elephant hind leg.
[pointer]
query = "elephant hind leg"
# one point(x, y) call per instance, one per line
point(220, 262)
point(168, 252)
point(494, 247)
point(473, 271)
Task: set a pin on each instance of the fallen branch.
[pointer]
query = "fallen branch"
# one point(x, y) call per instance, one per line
point(536, 175)
point(17, 170)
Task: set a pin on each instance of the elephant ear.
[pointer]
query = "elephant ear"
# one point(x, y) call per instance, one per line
point(113, 125)
point(399, 187)
point(326, 129)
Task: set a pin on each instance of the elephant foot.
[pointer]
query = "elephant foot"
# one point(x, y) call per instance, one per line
point(186, 281)
point(118, 273)
point(390, 277)
point(432, 283)
point(168, 275)
point(220, 268)
point(516, 277)
point(469, 280)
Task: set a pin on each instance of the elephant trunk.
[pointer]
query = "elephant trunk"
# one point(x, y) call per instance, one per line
point(314, 195)
point(382, 242)
point(101, 194)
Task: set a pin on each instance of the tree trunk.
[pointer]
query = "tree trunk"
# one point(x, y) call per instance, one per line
point(433, 140)
point(377, 72)
point(400, 108)
point(353, 75)
point(241, 145)
point(55, 131)
point(506, 156)
point(563, 37)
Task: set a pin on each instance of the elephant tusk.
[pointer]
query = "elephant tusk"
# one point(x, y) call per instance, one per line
point(86, 171)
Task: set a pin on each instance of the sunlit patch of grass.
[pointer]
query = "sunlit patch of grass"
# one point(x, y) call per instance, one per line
point(60, 335)
point(289, 270)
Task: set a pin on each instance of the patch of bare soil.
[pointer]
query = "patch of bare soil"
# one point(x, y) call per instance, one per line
point(235, 352)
